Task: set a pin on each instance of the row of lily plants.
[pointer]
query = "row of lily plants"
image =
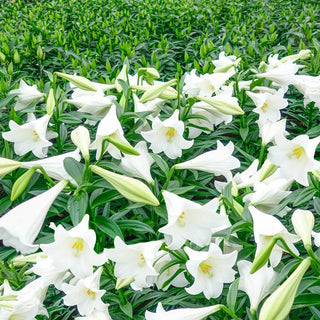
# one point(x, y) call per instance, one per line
point(195, 198)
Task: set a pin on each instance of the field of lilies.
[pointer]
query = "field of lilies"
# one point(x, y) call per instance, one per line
point(159, 160)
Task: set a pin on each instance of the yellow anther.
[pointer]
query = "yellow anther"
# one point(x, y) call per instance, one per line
point(35, 135)
point(180, 219)
point(297, 152)
point(91, 294)
point(142, 260)
point(170, 133)
point(78, 246)
point(264, 107)
point(205, 268)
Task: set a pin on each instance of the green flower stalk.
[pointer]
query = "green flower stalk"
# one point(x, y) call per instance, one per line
point(132, 189)
point(279, 304)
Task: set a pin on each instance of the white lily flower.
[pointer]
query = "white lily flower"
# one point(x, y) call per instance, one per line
point(109, 126)
point(211, 269)
point(7, 166)
point(268, 105)
point(97, 315)
point(179, 281)
point(27, 304)
point(167, 136)
point(138, 166)
point(135, 260)
point(295, 157)
point(268, 130)
point(316, 238)
point(26, 95)
point(280, 72)
point(74, 249)
point(30, 216)
point(225, 63)
point(188, 220)
point(31, 136)
point(182, 313)
point(265, 228)
point(54, 165)
point(85, 294)
point(257, 285)
point(219, 161)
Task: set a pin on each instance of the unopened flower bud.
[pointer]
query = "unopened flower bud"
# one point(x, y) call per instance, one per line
point(80, 82)
point(303, 223)
point(81, 138)
point(155, 91)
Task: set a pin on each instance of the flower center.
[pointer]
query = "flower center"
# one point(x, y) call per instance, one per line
point(91, 294)
point(264, 107)
point(297, 152)
point(77, 246)
point(35, 135)
point(181, 218)
point(170, 134)
point(206, 268)
point(142, 260)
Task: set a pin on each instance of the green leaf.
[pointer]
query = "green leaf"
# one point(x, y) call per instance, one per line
point(127, 309)
point(232, 294)
point(308, 299)
point(161, 163)
point(108, 226)
point(135, 225)
point(303, 196)
point(105, 197)
point(74, 168)
point(77, 207)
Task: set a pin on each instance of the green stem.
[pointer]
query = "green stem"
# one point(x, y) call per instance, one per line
point(229, 312)
point(168, 178)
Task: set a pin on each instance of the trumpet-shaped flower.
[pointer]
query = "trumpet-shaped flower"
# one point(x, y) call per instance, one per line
point(179, 281)
point(138, 166)
point(31, 136)
point(26, 95)
point(182, 313)
point(267, 227)
point(219, 161)
point(54, 165)
point(210, 269)
point(188, 220)
point(109, 126)
point(295, 157)
point(102, 314)
point(8, 165)
point(268, 105)
point(85, 294)
point(225, 63)
point(135, 260)
point(74, 249)
point(21, 225)
point(167, 136)
point(257, 285)
point(268, 130)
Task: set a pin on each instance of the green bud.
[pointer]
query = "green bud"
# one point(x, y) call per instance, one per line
point(50, 102)
point(267, 170)
point(7, 165)
point(123, 282)
point(16, 57)
point(263, 256)
point(226, 105)
point(81, 138)
point(149, 74)
point(21, 260)
point(155, 91)
point(2, 57)
point(303, 223)
point(123, 146)
point(132, 189)
point(123, 76)
point(279, 304)
point(169, 94)
point(80, 82)
point(303, 54)
point(21, 183)
point(10, 68)
point(39, 53)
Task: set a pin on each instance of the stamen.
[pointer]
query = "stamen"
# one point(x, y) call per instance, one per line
point(91, 294)
point(180, 219)
point(264, 107)
point(35, 135)
point(170, 134)
point(78, 246)
point(205, 268)
point(297, 152)
point(143, 261)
